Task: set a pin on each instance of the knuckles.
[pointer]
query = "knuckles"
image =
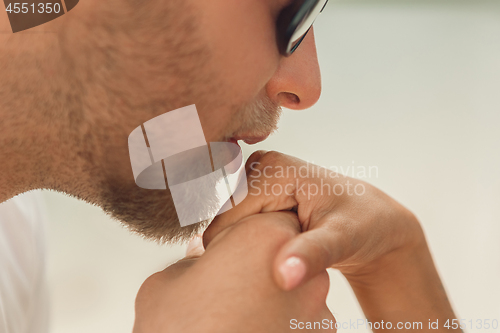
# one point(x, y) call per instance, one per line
point(263, 229)
point(271, 227)
point(260, 159)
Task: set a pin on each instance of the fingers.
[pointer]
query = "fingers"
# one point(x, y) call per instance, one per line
point(255, 157)
point(307, 255)
point(248, 207)
point(256, 200)
point(260, 177)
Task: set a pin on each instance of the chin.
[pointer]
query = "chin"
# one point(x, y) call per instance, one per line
point(149, 213)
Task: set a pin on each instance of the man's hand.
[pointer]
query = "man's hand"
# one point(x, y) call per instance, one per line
point(230, 288)
point(346, 224)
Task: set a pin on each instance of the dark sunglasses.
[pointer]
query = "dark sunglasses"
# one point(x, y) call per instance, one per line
point(294, 21)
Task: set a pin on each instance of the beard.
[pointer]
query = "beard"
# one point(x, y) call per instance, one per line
point(140, 57)
point(152, 213)
point(259, 118)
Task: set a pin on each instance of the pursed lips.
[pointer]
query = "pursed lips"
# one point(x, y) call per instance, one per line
point(249, 138)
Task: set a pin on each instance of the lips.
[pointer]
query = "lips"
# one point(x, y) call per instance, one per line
point(250, 139)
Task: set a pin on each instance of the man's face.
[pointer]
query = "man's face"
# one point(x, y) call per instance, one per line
point(250, 85)
point(157, 56)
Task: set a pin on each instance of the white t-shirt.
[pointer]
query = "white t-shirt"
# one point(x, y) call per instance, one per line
point(23, 294)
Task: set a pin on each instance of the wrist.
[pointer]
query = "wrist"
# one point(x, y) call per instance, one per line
point(403, 285)
point(403, 245)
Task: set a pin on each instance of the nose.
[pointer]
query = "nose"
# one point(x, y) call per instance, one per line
point(296, 84)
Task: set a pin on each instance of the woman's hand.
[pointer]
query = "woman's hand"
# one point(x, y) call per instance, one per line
point(349, 225)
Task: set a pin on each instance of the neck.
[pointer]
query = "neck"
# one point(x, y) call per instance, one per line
point(37, 131)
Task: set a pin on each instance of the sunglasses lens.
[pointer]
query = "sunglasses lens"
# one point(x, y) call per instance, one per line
point(306, 21)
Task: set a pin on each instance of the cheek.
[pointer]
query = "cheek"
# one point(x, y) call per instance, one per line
point(243, 45)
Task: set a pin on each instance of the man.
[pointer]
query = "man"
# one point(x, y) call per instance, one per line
point(77, 86)
point(73, 89)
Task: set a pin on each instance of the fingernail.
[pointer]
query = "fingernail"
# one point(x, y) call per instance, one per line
point(293, 271)
point(195, 242)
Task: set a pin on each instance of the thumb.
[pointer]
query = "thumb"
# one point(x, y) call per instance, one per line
point(307, 255)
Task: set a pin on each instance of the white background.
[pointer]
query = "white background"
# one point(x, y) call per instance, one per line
point(411, 88)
